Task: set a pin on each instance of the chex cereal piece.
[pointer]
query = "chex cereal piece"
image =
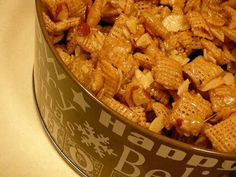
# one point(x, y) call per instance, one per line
point(223, 135)
point(120, 29)
point(168, 73)
point(199, 25)
point(62, 9)
point(95, 12)
point(82, 69)
point(158, 93)
point(67, 59)
point(135, 95)
point(140, 112)
point(221, 56)
point(160, 110)
point(222, 96)
point(144, 60)
point(202, 71)
point(120, 108)
point(58, 27)
point(230, 33)
point(92, 42)
point(214, 14)
point(112, 78)
point(154, 24)
point(189, 113)
point(192, 5)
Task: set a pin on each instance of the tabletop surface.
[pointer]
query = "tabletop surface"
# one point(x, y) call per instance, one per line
point(25, 149)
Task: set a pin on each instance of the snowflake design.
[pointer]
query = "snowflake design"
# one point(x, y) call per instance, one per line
point(99, 142)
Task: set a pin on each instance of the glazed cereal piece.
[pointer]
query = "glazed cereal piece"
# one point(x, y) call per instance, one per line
point(189, 113)
point(63, 9)
point(66, 57)
point(92, 42)
point(58, 27)
point(71, 42)
point(112, 78)
point(198, 25)
point(144, 41)
point(150, 49)
point(221, 56)
point(144, 60)
point(142, 6)
point(230, 33)
point(160, 110)
point(117, 52)
point(136, 95)
point(202, 139)
point(212, 50)
point(158, 93)
point(140, 112)
point(202, 71)
point(83, 70)
point(168, 73)
point(178, 7)
point(140, 97)
point(97, 81)
point(153, 51)
point(217, 32)
point(117, 48)
point(214, 14)
point(167, 2)
point(223, 135)
point(110, 12)
point(232, 12)
point(192, 5)
point(120, 30)
point(154, 25)
point(231, 3)
point(121, 109)
point(222, 96)
point(95, 12)
point(224, 113)
point(179, 43)
point(123, 6)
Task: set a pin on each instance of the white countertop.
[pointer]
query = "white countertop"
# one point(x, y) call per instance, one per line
point(25, 150)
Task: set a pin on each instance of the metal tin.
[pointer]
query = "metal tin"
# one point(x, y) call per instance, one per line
point(97, 141)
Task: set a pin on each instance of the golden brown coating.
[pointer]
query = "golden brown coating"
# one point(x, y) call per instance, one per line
point(168, 73)
point(166, 65)
point(198, 25)
point(202, 71)
point(189, 113)
point(222, 96)
point(92, 42)
point(58, 27)
point(112, 78)
point(223, 135)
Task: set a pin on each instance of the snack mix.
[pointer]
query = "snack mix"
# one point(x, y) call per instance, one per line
point(167, 65)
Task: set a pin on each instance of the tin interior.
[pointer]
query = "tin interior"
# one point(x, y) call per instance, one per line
point(118, 116)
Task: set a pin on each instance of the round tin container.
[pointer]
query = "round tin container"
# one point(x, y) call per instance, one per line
point(97, 141)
